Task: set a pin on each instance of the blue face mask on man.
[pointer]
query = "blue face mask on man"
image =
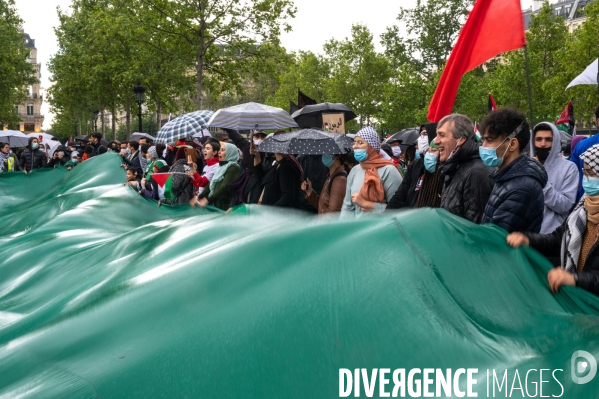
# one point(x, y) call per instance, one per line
point(590, 185)
point(35, 146)
point(430, 162)
point(489, 155)
point(360, 155)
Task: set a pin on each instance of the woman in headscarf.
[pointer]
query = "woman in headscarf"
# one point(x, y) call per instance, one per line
point(331, 197)
point(8, 160)
point(371, 185)
point(217, 193)
point(575, 241)
point(33, 157)
point(429, 194)
point(181, 183)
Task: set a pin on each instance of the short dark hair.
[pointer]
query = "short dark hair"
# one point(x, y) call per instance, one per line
point(97, 135)
point(88, 149)
point(597, 112)
point(160, 150)
point(541, 126)
point(3, 144)
point(145, 147)
point(503, 122)
point(134, 145)
point(215, 144)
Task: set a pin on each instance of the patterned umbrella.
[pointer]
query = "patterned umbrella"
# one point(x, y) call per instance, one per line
point(307, 141)
point(183, 127)
point(251, 116)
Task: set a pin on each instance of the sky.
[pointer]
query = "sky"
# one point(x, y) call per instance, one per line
point(316, 22)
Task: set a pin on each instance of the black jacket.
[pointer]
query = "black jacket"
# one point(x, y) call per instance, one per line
point(517, 201)
point(314, 170)
point(406, 194)
point(550, 246)
point(33, 159)
point(467, 185)
point(99, 149)
point(281, 184)
point(134, 162)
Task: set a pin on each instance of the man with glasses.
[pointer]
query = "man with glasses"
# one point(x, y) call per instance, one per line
point(517, 200)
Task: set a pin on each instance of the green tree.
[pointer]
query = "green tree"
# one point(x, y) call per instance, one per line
point(358, 74)
point(219, 37)
point(16, 72)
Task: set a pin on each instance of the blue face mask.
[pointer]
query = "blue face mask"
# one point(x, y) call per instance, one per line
point(75, 160)
point(327, 160)
point(489, 155)
point(417, 154)
point(35, 146)
point(590, 185)
point(430, 162)
point(360, 155)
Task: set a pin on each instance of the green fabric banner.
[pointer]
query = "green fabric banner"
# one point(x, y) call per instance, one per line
point(102, 294)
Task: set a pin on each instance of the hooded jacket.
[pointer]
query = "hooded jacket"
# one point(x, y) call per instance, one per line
point(467, 184)
point(562, 185)
point(517, 200)
point(33, 159)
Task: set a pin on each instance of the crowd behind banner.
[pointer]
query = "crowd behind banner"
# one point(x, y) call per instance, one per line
point(514, 176)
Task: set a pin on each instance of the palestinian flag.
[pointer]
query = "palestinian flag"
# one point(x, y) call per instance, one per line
point(565, 122)
point(165, 185)
point(491, 106)
point(478, 137)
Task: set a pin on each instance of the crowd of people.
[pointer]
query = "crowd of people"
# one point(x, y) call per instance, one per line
point(513, 176)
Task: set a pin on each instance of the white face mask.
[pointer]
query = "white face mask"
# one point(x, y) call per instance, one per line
point(396, 151)
point(423, 143)
point(258, 141)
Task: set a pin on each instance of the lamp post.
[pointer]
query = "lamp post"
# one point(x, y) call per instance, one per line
point(96, 113)
point(139, 91)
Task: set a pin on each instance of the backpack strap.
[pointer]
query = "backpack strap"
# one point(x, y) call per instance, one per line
point(333, 178)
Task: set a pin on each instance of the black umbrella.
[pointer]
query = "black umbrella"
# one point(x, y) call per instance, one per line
point(307, 141)
point(82, 138)
point(407, 136)
point(311, 115)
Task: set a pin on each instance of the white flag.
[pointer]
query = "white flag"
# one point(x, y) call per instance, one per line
point(588, 77)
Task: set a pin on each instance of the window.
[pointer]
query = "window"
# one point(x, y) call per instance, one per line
point(29, 127)
point(29, 109)
point(17, 109)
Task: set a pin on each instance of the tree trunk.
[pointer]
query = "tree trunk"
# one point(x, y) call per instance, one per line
point(103, 124)
point(158, 113)
point(128, 119)
point(199, 79)
point(113, 110)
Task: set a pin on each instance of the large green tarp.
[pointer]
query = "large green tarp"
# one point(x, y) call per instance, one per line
point(102, 294)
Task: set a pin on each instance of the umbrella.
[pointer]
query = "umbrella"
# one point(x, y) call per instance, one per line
point(14, 138)
point(307, 141)
point(137, 135)
point(251, 116)
point(183, 127)
point(203, 133)
point(407, 136)
point(311, 115)
point(43, 136)
point(82, 137)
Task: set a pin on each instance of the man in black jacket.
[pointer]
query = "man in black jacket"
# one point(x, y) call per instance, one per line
point(94, 141)
point(467, 185)
point(517, 201)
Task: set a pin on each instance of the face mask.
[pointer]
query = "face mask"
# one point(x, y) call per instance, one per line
point(360, 155)
point(489, 155)
point(258, 141)
point(35, 146)
point(423, 143)
point(590, 185)
point(327, 160)
point(396, 151)
point(430, 162)
point(75, 160)
point(417, 154)
point(61, 154)
point(451, 154)
point(542, 153)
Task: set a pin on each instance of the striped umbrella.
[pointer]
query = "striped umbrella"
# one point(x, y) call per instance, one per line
point(183, 127)
point(251, 116)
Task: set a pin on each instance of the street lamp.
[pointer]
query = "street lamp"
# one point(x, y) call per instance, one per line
point(139, 91)
point(96, 113)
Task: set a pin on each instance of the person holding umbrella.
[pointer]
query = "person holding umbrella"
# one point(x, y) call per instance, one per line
point(333, 191)
point(371, 185)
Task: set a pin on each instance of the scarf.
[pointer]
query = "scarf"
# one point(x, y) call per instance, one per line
point(3, 158)
point(231, 158)
point(591, 204)
point(573, 236)
point(372, 189)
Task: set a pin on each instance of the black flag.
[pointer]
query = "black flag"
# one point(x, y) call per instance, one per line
point(303, 100)
point(292, 107)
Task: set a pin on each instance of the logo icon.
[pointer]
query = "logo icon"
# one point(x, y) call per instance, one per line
point(580, 367)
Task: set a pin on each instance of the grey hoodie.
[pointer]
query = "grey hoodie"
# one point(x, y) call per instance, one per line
point(562, 185)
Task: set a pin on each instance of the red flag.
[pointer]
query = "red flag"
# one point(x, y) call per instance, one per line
point(565, 115)
point(493, 27)
point(491, 106)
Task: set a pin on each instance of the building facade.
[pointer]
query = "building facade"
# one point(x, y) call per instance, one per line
point(571, 10)
point(30, 111)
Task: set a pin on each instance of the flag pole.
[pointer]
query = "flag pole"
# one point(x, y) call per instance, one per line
point(528, 86)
